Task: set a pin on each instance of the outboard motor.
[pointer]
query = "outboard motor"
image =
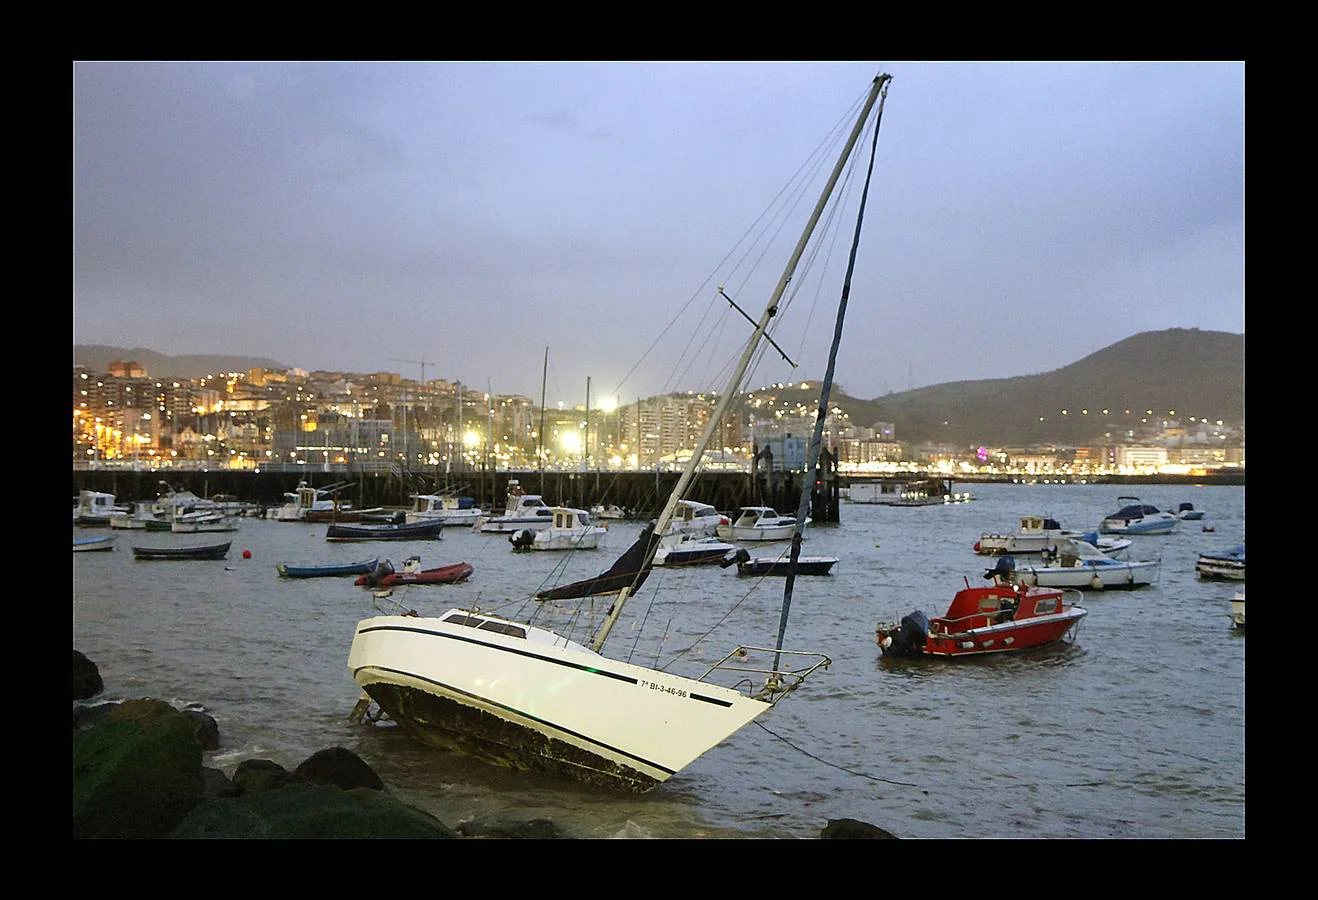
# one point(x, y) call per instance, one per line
point(522, 539)
point(1004, 570)
point(732, 557)
point(382, 568)
point(908, 638)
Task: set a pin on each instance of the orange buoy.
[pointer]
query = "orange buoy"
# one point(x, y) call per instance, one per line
point(247, 554)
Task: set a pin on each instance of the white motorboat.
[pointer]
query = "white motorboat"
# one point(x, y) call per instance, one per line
point(758, 523)
point(446, 508)
point(689, 548)
point(1037, 534)
point(568, 529)
point(1238, 610)
point(1079, 564)
point(307, 499)
point(1136, 518)
point(522, 511)
point(97, 508)
point(521, 695)
point(694, 517)
point(143, 511)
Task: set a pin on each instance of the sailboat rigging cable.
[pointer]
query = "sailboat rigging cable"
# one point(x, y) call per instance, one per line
point(726, 398)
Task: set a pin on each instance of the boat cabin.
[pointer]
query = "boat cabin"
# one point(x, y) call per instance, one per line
point(980, 607)
point(1039, 525)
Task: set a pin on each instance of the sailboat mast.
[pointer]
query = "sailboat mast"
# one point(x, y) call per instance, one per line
point(825, 392)
point(540, 444)
point(734, 383)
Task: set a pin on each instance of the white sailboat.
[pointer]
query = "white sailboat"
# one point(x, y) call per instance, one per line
point(524, 696)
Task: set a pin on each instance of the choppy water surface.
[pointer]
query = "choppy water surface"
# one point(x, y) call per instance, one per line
point(1136, 730)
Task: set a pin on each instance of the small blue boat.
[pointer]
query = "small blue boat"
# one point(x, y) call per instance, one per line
point(85, 544)
point(363, 567)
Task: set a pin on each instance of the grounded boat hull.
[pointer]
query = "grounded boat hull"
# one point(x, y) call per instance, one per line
point(533, 701)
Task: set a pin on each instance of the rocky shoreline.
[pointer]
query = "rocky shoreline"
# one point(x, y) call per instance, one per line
point(138, 773)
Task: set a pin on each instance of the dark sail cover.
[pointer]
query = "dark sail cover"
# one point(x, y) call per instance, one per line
point(626, 570)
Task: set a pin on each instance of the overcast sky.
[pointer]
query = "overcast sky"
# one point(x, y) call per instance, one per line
point(373, 216)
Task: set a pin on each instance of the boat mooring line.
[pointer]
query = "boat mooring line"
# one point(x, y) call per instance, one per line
point(836, 766)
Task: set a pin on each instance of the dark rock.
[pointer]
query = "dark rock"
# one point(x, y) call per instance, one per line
point(853, 830)
point(340, 767)
point(86, 677)
point(301, 811)
point(87, 715)
point(136, 773)
point(535, 829)
point(256, 776)
point(218, 784)
point(208, 731)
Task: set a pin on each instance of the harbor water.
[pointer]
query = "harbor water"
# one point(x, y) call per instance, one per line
point(1134, 730)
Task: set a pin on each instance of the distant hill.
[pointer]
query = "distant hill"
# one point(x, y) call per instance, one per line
point(1196, 373)
point(98, 357)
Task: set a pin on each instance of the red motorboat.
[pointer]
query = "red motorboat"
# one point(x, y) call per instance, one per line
point(385, 575)
point(999, 618)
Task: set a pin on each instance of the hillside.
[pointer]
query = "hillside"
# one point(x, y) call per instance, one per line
point(98, 357)
point(1196, 373)
point(1193, 372)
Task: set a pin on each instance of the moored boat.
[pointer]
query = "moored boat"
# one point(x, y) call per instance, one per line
point(406, 531)
point(1238, 610)
point(446, 508)
point(328, 570)
point(569, 529)
point(91, 544)
point(203, 521)
point(412, 573)
point(521, 511)
point(1136, 518)
point(1079, 564)
point(210, 551)
point(691, 548)
point(1187, 512)
point(997, 618)
point(96, 508)
point(758, 523)
point(1227, 564)
point(777, 565)
point(1038, 534)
